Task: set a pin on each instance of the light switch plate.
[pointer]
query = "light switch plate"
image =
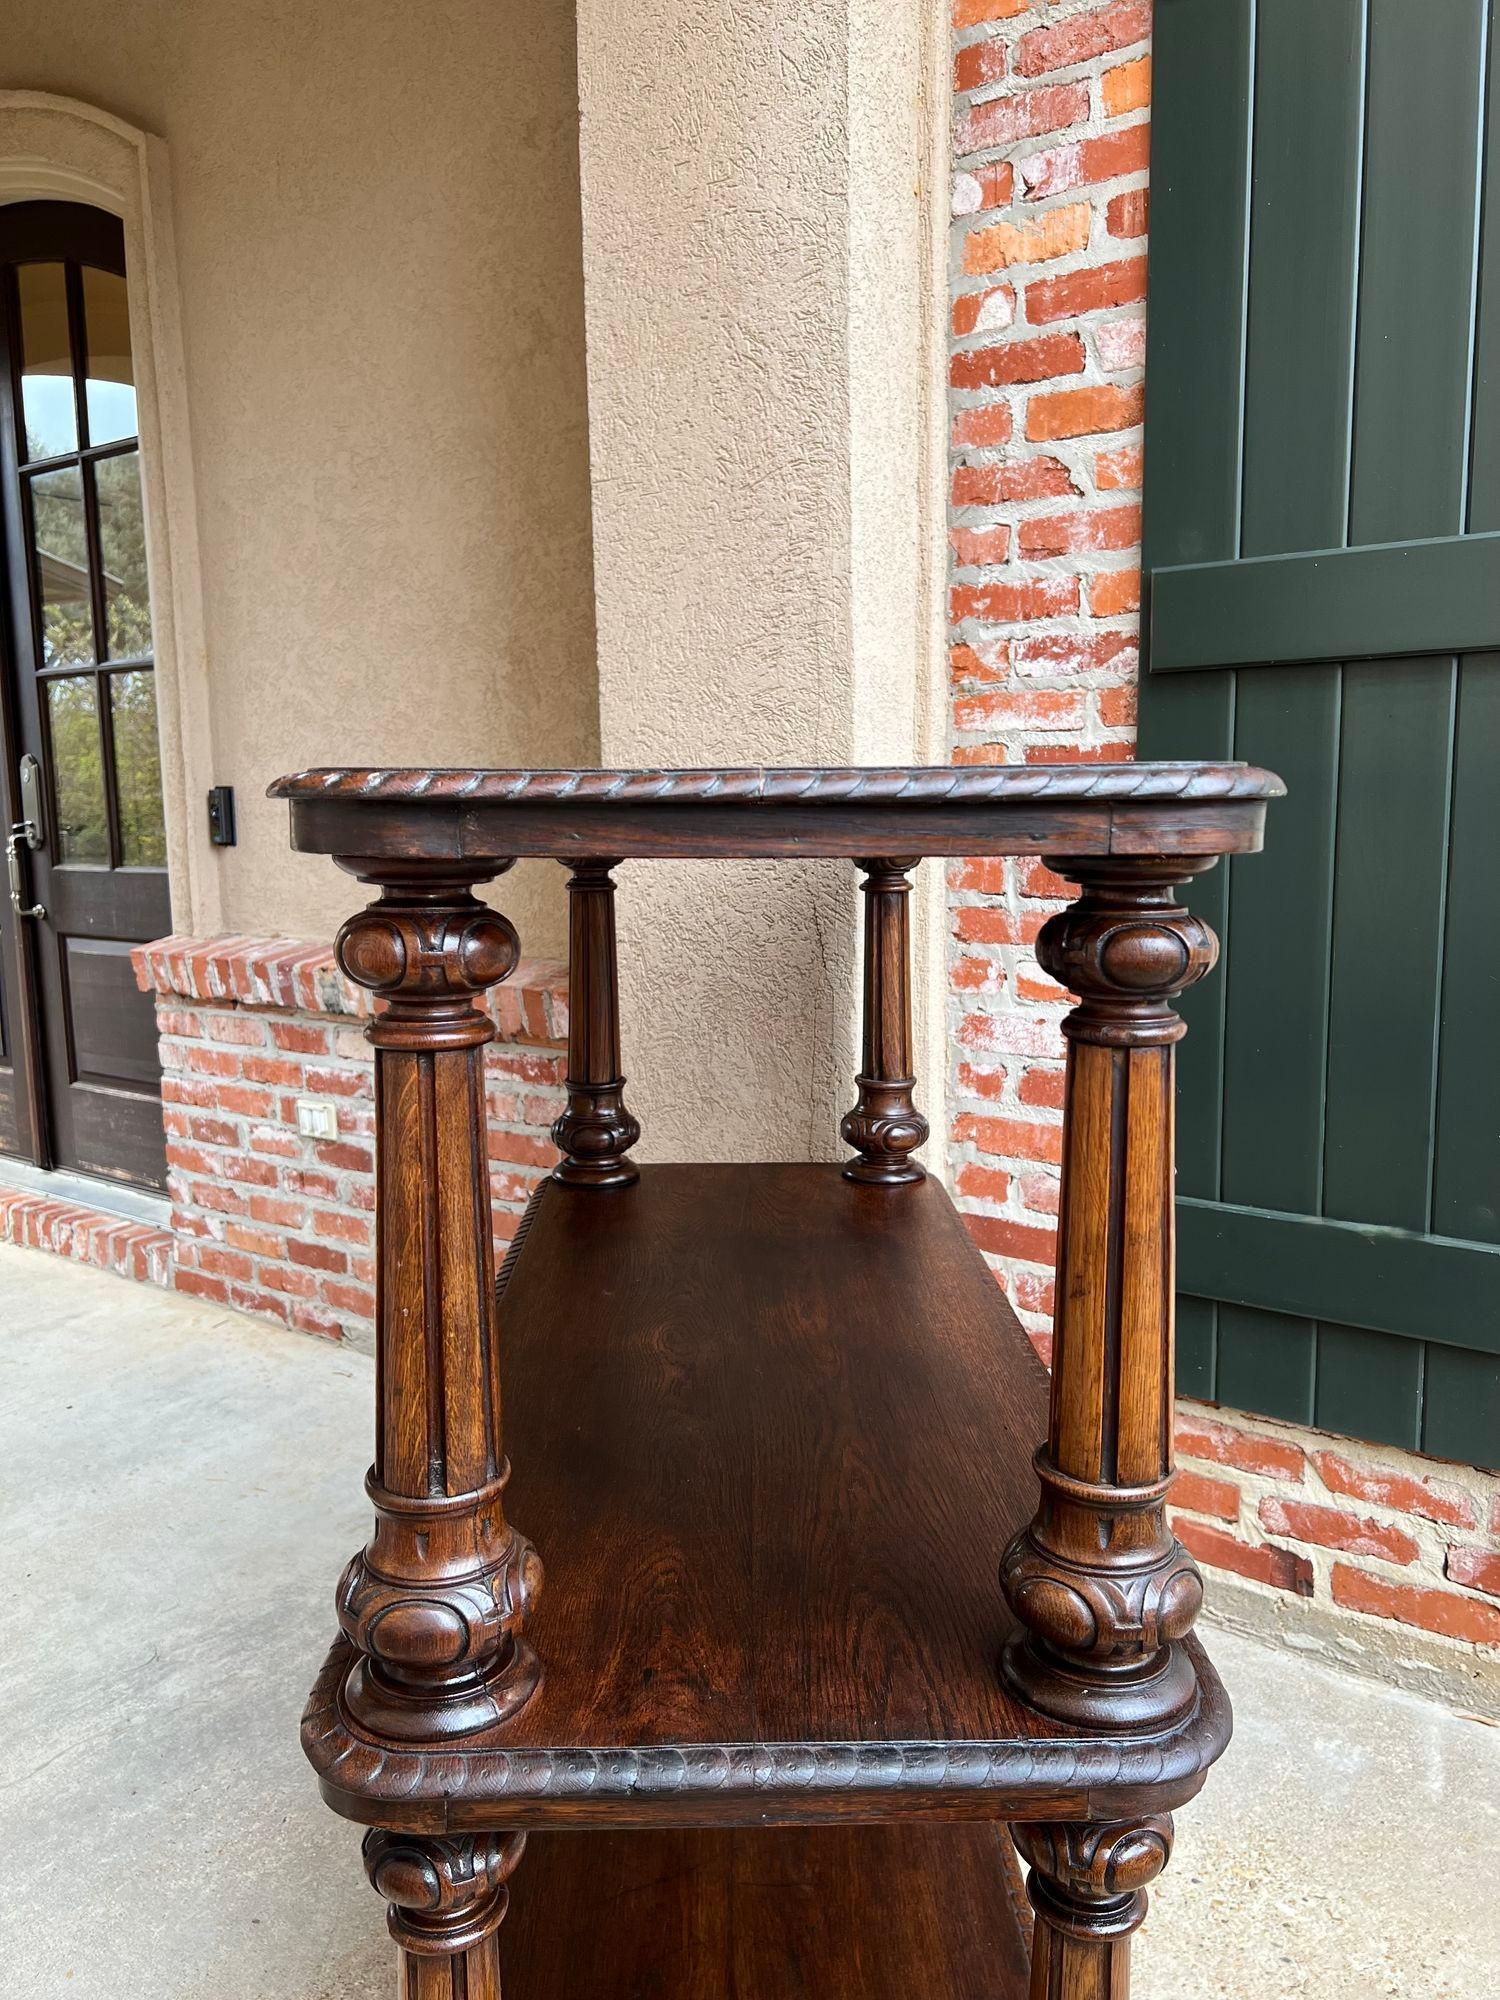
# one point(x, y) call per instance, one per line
point(317, 1118)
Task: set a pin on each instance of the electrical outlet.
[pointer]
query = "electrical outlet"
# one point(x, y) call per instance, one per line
point(317, 1118)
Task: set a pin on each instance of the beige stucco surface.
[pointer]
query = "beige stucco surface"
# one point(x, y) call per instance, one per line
point(757, 230)
point(375, 210)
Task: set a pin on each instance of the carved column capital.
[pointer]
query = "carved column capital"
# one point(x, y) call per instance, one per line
point(428, 951)
point(1088, 1878)
point(445, 1895)
point(1127, 948)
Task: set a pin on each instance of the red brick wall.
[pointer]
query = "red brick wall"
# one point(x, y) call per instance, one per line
point(278, 1224)
point(1048, 333)
point(1051, 134)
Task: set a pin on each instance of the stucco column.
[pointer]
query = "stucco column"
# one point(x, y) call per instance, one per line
point(762, 236)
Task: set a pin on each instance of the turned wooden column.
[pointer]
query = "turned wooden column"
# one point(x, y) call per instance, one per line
point(447, 1899)
point(885, 1127)
point(1103, 1587)
point(1087, 1885)
point(434, 1604)
point(595, 1132)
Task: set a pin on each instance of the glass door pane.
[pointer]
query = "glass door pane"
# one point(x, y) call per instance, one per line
point(143, 838)
point(109, 388)
point(49, 412)
point(79, 806)
point(61, 555)
point(122, 552)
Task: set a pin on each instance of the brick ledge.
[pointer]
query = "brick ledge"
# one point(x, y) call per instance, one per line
point(87, 1236)
point(296, 976)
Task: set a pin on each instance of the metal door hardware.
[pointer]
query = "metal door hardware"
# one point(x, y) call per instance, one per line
point(27, 832)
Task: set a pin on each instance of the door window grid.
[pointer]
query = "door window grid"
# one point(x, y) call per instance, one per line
point(84, 529)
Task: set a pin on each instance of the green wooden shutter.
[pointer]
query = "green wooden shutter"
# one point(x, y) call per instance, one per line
point(1322, 548)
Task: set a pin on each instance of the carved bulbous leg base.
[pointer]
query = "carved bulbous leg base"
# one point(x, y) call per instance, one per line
point(1088, 1888)
point(1106, 1592)
point(594, 1134)
point(437, 1710)
point(884, 1128)
point(447, 1898)
point(434, 1605)
point(1143, 1695)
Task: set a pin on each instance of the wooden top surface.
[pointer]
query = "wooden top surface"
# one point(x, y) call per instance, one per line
point(771, 1432)
point(940, 809)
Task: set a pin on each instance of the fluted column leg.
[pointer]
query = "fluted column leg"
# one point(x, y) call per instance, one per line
point(1103, 1587)
point(1087, 1886)
point(447, 1899)
point(885, 1128)
point(435, 1602)
point(595, 1132)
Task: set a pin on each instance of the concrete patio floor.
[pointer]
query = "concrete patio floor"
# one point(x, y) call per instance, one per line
point(181, 1488)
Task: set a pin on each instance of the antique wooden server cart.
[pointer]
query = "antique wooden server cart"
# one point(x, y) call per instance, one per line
point(775, 1430)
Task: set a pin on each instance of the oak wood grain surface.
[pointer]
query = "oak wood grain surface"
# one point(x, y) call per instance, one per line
point(887, 1913)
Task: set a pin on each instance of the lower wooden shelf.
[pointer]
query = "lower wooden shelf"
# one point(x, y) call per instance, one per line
point(772, 1432)
point(881, 1912)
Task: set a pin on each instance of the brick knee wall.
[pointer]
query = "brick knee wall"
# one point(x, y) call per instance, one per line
point(1051, 131)
point(1365, 1530)
point(281, 1225)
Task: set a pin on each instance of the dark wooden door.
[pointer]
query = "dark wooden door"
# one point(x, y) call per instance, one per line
point(1322, 507)
point(81, 1082)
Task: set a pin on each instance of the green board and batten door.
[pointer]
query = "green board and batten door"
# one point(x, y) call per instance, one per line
point(1322, 547)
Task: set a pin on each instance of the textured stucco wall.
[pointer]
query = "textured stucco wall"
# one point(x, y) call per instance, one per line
point(376, 212)
point(756, 226)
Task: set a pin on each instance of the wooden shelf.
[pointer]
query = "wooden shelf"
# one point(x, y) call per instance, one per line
point(888, 1913)
point(772, 1432)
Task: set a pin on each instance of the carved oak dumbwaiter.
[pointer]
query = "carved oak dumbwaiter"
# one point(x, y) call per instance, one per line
point(775, 1427)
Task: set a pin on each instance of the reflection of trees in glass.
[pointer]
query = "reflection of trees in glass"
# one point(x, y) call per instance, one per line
point(143, 840)
point(68, 638)
point(122, 544)
point(63, 561)
point(77, 771)
point(63, 566)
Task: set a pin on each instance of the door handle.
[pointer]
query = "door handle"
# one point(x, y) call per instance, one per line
point(24, 831)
